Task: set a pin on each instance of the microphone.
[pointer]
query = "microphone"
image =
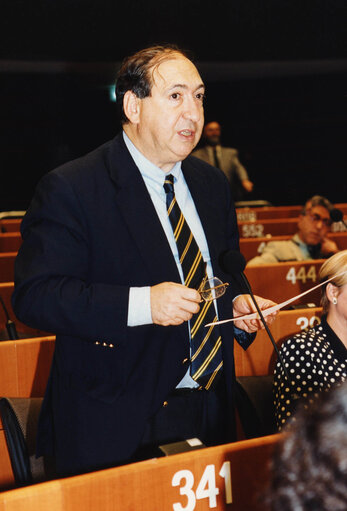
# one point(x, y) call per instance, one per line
point(233, 262)
point(336, 215)
point(10, 326)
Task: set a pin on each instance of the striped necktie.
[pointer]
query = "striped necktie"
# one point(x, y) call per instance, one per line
point(206, 350)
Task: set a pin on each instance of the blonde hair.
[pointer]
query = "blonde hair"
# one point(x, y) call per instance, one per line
point(333, 266)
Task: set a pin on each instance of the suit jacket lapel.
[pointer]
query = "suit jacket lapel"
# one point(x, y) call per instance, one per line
point(203, 203)
point(140, 216)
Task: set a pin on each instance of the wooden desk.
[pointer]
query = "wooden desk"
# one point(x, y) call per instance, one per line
point(276, 227)
point(260, 358)
point(251, 247)
point(227, 477)
point(10, 241)
point(268, 212)
point(273, 227)
point(10, 224)
point(281, 281)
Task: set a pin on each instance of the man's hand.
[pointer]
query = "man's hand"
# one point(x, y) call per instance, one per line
point(329, 247)
point(172, 304)
point(243, 305)
point(248, 185)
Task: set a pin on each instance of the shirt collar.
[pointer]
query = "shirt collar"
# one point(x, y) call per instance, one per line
point(303, 246)
point(148, 170)
point(337, 345)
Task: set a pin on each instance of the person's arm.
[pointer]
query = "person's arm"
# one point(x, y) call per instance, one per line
point(268, 255)
point(242, 173)
point(328, 247)
point(52, 287)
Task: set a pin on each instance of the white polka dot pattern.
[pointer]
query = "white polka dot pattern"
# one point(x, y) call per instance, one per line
point(312, 364)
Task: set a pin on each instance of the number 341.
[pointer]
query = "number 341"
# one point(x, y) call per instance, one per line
point(206, 489)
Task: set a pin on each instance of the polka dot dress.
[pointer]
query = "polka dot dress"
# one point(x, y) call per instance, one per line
point(315, 360)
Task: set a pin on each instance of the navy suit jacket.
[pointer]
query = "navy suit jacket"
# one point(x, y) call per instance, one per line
point(90, 233)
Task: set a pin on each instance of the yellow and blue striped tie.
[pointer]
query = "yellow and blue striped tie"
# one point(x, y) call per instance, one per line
point(206, 343)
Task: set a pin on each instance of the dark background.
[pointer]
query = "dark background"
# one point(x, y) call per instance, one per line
point(275, 70)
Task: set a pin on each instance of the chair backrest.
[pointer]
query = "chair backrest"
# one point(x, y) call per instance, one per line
point(280, 281)
point(19, 417)
point(260, 358)
point(254, 401)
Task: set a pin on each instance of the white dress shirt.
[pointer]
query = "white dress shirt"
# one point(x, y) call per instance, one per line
point(139, 308)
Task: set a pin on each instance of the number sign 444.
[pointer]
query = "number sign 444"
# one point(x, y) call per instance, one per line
point(302, 274)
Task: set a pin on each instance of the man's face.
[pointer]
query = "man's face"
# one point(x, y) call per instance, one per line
point(171, 118)
point(212, 133)
point(314, 225)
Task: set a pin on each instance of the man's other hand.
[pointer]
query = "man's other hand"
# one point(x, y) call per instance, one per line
point(243, 305)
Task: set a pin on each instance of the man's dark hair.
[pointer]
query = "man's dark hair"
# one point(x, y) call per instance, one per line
point(309, 469)
point(317, 200)
point(136, 72)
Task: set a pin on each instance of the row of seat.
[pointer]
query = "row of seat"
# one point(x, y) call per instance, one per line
point(252, 222)
point(232, 475)
point(268, 212)
point(8, 224)
point(276, 227)
point(24, 363)
point(249, 247)
point(277, 281)
point(24, 370)
point(160, 483)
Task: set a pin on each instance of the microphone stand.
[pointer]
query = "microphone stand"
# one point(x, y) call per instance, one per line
point(265, 325)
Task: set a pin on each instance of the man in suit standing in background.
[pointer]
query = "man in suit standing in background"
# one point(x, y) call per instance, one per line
point(226, 159)
point(116, 246)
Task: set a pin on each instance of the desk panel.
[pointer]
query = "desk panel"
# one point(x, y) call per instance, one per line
point(281, 281)
point(227, 477)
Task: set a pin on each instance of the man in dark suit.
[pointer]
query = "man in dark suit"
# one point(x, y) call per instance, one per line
point(101, 268)
point(226, 159)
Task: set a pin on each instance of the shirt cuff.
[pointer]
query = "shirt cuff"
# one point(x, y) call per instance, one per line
point(139, 307)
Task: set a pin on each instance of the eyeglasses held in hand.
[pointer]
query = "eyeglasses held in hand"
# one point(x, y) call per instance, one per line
point(211, 289)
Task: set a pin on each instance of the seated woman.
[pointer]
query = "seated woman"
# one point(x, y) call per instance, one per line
point(316, 359)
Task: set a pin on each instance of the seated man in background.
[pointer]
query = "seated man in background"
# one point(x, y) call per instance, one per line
point(224, 158)
point(310, 242)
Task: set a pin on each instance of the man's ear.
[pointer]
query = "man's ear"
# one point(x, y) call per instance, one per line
point(131, 106)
